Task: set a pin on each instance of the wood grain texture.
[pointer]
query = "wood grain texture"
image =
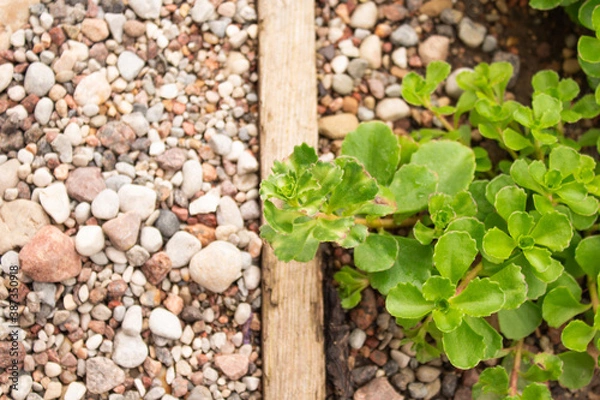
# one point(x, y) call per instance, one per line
point(292, 327)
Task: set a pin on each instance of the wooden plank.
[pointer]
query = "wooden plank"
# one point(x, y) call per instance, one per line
point(292, 314)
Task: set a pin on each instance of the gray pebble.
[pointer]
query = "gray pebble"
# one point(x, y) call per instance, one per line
point(342, 84)
point(471, 33)
point(357, 67)
point(167, 223)
point(405, 36)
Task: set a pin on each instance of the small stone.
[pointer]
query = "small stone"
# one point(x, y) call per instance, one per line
point(202, 11)
point(339, 64)
point(362, 375)
point(434, 48)
point(242, 313)
point(364, 16)
point(93, 89)
point(115, 25)
point(377, 389)
point(434, 8)
point(75, 391)
point(220, 144)
point(138, 199)
point(102, 375)
point(137, 122)
point(19, 221)
point(400, 58)
point(129, 65)
point(6, 75)
point(426, 373)
point(22, 387)
point(129, 351)
point(151, 239)
point(89, 240)
point(370, 50)
point(401, 359)
point(449, 384)
point(342, 84)
point(181, 248)
point(95, 29)
point(392, 109)
point(105, 205)
point(55, 201)
point(228, 213)
point(117, 136)
point(9, 175)
point(357, 68)
point(167, 223)
point(450, 16)
point(357, 338)
point(146, 9)
point(405, 36)
point(234, 366)
point(165, 324)
point(216, 266)
point(123, 231)
point(471, 33)
point(192, 178)
point(50, 256)
point(84, 184)
point(247, 163)
point(39, 79)
point(252, 277)
point(490, 43)
point(134, 28)
point(43, 110)
point(157, 268)
point(337, 126)
point(514, 60)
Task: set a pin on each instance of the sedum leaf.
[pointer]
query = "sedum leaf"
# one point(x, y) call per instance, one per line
point(464, 347)
point(438, 288)
point(514, 140)
point(491, 338)
point(406, 301)
point(554, 231)
point(492, 380)
point(560, 306)
point(497, 245)
point(376, 147)
point(453, 254)
point(447, 320)
point(578, 369)
point(587, 255)
point(510, 199)
point(536, 391)
point(545, 367)
point(453, 162)
point(376, 253)
point(512, 283)
point(481, 298)
point(544, 4)
point(355, 188)
point(520, 322)
point(412, 184)
point(588, 49)
point(413, 265)
point(471, 225)
point(577, 335)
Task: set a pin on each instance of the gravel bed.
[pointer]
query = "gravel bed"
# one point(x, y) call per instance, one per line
point(129, 200)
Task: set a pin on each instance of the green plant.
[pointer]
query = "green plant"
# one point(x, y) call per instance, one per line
point(471, 257)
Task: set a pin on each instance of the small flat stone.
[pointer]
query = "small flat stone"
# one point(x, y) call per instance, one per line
point(89, 240)
point(207, 203)
point(115, 25)
point(50, 256)
point(95, 29)
point(434, 8)
point(134, 28)
point(392, 109)
point(157, 267)
point(123, 231)
point(105, 205)
point(129, 65)
point(129, 351)
point(216, 266)
point(181, 248)
point(117, 136)
point(146, 9)
point(167, 223)
point(426, 373)
point(172, 159)
point(9, 175)
point(151, 239)
point(471, 33)
point(93, 89)
point(192, 178)
point(405, 36)
point(234, 366)
point(165, 324)
point(39, 79)
point(6, 75)
point(138, 199)
point(55, 201)
point(364, 16)
point(75, 391)
point(377, 389)
point(102, 375)
point(19, 221)
point(43, 110)
point(370, 50)
point(228, 213)
point(342, 84)
point(434, 48)
point(337, 126)
point(202, 11)
point(84, 184)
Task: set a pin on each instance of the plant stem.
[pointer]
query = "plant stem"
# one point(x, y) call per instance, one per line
point(387, 223)
point(444, 121)
point(469, 277)
point(514, 375)
point(593, 288)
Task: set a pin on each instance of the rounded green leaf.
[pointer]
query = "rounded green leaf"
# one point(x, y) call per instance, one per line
point(510, 199)
point(376, 147)
point(438, 288)
point(586, 12)
point(564, 159)
point(453, 254)
point(406, 301)
point(544, 81)
point(536, 391)
point(514, 140)
point(544, 367)
point(453, 162)
point(520, 322)
point(587, 255)
point(513, 284)
point(471, 225)
point(491, 338)
point(520, 224)
point(596, 18)
point(411, 186)
point(544, 4)
point(481, 298)
point(578, 369)
point(448, 320)
point(492, 380)
point(560, 306)
point(498, 245)
point(464, 347)
point(554, 231)
point(377, 253)
point(577, 335)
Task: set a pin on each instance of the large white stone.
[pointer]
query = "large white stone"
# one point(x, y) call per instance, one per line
point(165, 324)
point(216, 266)
point(89, 240)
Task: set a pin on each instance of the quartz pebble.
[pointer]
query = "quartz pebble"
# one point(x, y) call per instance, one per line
point(216, 266)
point(165, 324)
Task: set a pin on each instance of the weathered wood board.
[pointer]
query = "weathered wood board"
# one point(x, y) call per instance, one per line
point(292, 322)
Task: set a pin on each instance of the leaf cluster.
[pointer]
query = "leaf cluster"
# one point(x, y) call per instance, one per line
point(471, 257)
